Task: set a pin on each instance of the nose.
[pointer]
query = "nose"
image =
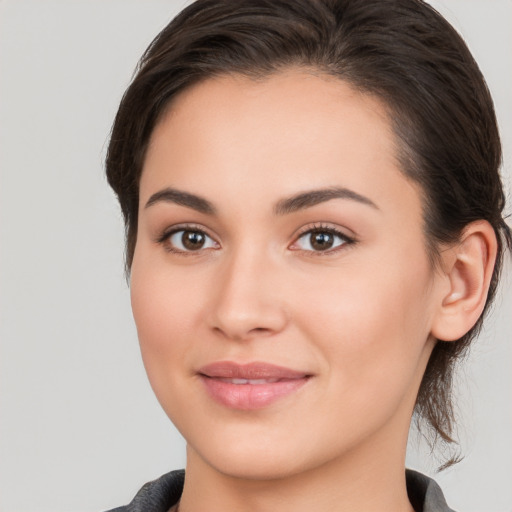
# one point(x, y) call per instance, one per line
point(247, 301)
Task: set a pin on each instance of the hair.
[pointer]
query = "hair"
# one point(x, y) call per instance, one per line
point(402, 52)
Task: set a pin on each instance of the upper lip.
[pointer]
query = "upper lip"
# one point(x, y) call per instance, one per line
point(255, 370)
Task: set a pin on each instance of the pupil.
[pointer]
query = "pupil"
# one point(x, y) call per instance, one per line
point(192, 240)
point(322, 240)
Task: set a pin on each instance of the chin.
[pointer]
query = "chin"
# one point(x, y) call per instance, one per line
point(263, 455)
point(258, 465)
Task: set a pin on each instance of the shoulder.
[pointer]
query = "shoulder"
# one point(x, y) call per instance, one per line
point(424, 493)
point(158, 495)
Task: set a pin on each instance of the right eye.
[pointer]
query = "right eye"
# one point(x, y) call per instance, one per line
point(189, 240)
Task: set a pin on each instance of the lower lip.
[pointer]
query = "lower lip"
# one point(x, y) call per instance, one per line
point(248, 397)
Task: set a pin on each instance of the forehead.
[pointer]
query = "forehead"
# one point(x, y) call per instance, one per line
point(307, 98)
point(294, 129)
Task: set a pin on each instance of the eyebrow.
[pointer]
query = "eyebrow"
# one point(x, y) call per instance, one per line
point(300, 201)
point(311, 198)
point(171, 195)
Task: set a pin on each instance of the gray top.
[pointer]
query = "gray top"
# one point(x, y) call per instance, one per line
point(161, 494)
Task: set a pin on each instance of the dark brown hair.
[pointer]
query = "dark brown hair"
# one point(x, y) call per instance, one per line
point(402, 52)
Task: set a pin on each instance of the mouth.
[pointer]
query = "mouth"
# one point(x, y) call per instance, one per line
point(250, 386)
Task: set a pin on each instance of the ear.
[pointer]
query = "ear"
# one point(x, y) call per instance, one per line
point(467, 269)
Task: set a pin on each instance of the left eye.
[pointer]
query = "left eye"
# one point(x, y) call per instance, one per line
point(320, 240)
point(187, 240)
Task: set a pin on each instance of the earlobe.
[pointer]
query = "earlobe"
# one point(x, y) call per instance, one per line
point(467, 272)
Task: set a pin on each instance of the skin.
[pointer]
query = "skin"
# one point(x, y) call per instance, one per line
point(360, 318)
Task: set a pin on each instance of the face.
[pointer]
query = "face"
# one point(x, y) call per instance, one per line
point(280, 284)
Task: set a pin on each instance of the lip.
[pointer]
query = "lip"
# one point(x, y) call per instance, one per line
point(264, 384)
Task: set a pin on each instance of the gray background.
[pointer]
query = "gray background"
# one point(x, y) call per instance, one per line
point(80, 429)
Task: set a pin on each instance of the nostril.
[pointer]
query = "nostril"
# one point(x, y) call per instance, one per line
point(260, 330)
point(242, 335)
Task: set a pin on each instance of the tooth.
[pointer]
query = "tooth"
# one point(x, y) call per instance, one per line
point(239, 381)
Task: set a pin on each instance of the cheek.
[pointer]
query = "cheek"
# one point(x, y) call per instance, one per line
point(165, 311)
point(165, 308)
point(371, 322)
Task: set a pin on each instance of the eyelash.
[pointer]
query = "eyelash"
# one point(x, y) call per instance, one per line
point(164, 239)
point(323, 228)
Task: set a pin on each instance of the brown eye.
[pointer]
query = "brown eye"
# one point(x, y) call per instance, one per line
point(188, 240)
point(321, 240)
point(192, 240)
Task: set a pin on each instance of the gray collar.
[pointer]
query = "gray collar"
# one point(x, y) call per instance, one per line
point(424, 493)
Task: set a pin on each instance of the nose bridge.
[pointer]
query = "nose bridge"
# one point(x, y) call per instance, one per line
point(247, 301)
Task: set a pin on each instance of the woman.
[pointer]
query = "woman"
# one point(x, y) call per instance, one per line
point(315, 231)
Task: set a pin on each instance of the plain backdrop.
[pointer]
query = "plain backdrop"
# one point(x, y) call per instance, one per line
point(80, 428)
